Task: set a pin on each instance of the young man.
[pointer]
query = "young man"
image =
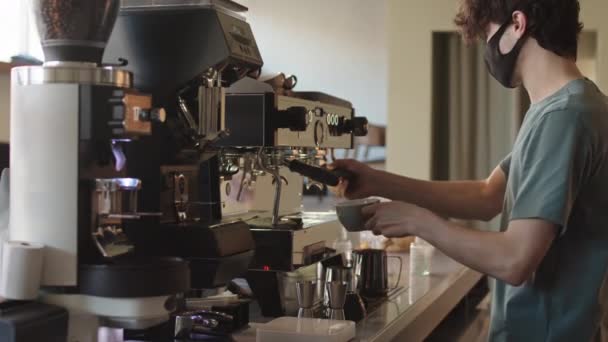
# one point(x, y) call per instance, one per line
point(550, 257)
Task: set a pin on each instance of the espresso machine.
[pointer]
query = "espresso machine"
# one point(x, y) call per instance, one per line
point(155, 168)
point(280, 140)
point(119, 184)
point(73, 120)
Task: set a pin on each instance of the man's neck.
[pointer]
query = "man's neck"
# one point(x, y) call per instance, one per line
point(546, 73)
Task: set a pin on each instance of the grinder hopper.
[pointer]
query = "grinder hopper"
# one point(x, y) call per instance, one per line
point(75, 30)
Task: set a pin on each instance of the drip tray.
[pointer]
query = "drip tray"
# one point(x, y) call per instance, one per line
point(285, 223)
point(136, 277)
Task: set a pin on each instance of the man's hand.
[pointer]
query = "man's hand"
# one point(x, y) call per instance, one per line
point(397, 219)
point(362, 183)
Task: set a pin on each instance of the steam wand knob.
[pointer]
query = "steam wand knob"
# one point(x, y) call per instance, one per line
point(357, 126)
point(153, 115)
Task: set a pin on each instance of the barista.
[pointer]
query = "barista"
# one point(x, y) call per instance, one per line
point(550, 257)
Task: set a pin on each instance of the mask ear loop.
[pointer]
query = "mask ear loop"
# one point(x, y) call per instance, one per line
point(498, 36)
point(500, 33)
point(493, 48)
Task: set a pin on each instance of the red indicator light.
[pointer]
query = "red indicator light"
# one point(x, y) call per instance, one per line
point(266, 268)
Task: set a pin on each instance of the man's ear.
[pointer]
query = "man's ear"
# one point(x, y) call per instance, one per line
point(520, 23)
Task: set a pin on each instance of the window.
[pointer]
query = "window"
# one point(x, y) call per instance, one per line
point(18, 35)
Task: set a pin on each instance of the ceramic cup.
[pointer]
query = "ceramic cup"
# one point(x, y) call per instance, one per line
point(349, 213)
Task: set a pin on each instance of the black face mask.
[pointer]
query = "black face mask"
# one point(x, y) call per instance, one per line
point(502, 66)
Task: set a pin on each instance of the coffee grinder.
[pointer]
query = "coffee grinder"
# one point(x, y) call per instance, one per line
point(72, 122)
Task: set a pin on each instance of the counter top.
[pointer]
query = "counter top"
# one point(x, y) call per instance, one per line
point(413, 313)
point(414, 310)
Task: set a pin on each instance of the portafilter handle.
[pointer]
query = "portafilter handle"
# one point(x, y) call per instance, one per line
point(319, 174)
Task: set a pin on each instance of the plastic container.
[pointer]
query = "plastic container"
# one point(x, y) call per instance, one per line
point(421, 257)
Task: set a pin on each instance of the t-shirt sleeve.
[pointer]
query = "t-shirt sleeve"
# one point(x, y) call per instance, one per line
point(505, 165)
point(550, 167)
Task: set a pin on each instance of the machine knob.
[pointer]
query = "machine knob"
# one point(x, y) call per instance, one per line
point(154, 114)
point(159, 114)
point(356, 126)
point(294, 118)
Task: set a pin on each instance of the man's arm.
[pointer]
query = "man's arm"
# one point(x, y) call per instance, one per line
point(468, 200)
point(512, 256)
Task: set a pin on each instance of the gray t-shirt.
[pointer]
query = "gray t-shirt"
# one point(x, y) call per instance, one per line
point(558, 172)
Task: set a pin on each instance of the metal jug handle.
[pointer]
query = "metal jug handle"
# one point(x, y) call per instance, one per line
point(400, 269)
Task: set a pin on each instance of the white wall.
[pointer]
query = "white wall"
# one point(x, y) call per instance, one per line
point(338, 47)
point(4, 106)
point(18, 33)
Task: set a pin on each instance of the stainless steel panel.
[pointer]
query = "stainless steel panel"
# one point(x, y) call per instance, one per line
point(317, 133)
point(44, 174)
point(80, 73)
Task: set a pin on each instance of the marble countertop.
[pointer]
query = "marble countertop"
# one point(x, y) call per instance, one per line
point(414, 310)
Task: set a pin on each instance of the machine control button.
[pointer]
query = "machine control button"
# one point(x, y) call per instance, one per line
point(337, 127)
point(319, 133)
point(311, 116)
point(294, 118)
point(335, 124)
point(333, 120)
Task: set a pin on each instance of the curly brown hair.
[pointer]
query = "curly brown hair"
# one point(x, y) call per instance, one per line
point(553, 23)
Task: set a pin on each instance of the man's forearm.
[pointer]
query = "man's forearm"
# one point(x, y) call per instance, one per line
point(461, 199)
point(490, 253)
point(512, 255)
